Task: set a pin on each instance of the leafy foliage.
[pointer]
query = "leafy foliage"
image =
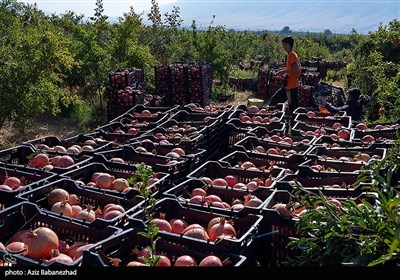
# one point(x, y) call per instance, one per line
point(362, 232)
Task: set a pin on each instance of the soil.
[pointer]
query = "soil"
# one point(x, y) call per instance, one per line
point(41, 127)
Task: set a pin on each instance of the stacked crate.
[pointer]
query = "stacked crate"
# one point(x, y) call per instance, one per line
point(125, 89)
point(182, 83)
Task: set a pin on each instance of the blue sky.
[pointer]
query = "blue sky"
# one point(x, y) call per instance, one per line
point(86, 7)
point(340, 16)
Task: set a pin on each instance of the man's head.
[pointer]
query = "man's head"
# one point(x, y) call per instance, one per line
point(288, 40)
point(354, 94)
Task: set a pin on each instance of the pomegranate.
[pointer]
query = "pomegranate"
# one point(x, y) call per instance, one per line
point(161, 223)
point(12, 182)
point(57, 195)
point(211, 261)
point(221, 228)
point(62, 207)
point(344, 134)
point(41, 243)
point(185, 260)
point(178, 225)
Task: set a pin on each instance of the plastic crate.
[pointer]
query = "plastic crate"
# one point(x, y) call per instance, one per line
point(249, 144)
point(237, 133)
point(194, 157)
point(333, 167)
point(213, 170)
point(327, 122)
point(261, 161)
point(116, 139)
point(26, 215)
point(139, 108)
point(188, 142)
point(84, 174)
point(264, 134)
point(278, 126)
point(279, 108)
point(245, 226)
point(318, 114)
point(79, 140)
point(182, 193)
point(86, 197)
point(300, 129)
point(220, 111)
point(330, 143)
point(21, 155)
point(125, 128)
point(197, 117)
point(324, 184)
point(323, 153)
point(30, 179)
point(121, 247)
point(158, 163)
point(384, 139)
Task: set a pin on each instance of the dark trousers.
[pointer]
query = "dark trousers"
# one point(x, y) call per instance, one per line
point(281, 96)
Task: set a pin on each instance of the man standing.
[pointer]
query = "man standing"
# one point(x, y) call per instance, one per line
point(292, 71)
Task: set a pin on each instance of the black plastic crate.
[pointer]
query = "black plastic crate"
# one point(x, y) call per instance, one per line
point(279, 108)
point(136, 112)
point(326, 122)
point(340, 186)
point(330, 143)
point(84, 175)
point(126, 129)
point(245, 226)
point(319, 114)
point(29, 178)
point(333, 167)
point(219, 111)
point(262, 161)
point(384, 139)
point(276, 126)
point(86, 196)
point(303, 129)
point(268, 136)
point(213, 170)
point(195, 157)
point(323, 153)
point(21, 155)
point(197, 117)
point(183, 191)
point(188, 142)
point(176, 167)
point(121, 247)
point(234, 133)
point(250, 143)
point(26, 215)
point(80, 140)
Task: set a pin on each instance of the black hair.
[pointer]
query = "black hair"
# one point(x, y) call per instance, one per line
point(288, 40)
point(354, 93)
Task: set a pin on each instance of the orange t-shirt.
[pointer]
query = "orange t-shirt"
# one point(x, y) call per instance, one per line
point(293, 78)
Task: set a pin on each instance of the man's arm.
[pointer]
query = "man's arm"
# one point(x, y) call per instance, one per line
point(333, 109)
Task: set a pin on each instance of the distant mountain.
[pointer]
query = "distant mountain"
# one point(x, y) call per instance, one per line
point(314, 16)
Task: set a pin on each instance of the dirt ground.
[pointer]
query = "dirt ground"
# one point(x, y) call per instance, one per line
point(41, 127)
